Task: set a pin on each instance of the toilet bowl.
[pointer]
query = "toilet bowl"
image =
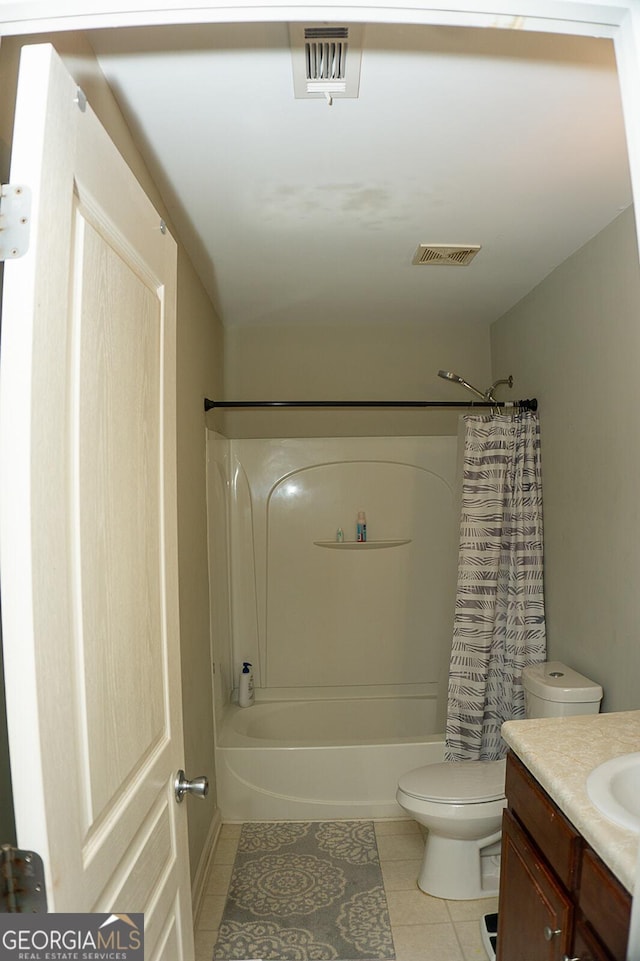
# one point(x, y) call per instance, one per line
point(461, 802)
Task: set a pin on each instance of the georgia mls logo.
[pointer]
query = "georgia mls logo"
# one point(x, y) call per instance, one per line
point(71, 937)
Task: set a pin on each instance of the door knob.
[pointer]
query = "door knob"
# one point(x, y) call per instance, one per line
point(199, 787)
point(550, 933)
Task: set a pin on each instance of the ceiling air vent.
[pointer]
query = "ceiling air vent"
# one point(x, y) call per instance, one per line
point(445, 255)
point(326, 60)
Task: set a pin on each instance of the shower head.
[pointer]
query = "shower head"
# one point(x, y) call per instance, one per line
point(487, 395)
point(447, 375)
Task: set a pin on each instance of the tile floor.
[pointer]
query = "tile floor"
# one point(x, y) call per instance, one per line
point(424, 928)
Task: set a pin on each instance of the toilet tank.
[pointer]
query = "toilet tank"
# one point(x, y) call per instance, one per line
point(552, 689)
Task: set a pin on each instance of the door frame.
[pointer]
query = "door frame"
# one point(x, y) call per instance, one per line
point(618, 20)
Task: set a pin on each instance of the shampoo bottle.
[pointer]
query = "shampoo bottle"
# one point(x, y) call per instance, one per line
point(361, 527)
point(245, 686)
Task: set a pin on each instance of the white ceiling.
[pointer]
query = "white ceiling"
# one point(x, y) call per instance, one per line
point(296, 212)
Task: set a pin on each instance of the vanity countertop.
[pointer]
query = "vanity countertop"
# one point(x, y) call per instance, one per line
point(561, 753)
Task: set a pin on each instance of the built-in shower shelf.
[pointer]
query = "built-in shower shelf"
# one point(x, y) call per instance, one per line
point(361, 545)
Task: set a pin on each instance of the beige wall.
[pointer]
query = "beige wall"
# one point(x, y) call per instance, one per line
point(574, 342)
point(199, 373)
point(349, 363)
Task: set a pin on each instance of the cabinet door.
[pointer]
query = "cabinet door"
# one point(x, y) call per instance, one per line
point(536, 913)
point(605, 905)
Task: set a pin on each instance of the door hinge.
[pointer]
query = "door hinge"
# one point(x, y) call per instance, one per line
point(22, 887)
point(15, 220)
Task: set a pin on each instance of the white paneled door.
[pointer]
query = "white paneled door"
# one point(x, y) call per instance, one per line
point(88, 539)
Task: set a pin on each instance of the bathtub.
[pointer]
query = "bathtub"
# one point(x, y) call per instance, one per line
point(322, 759)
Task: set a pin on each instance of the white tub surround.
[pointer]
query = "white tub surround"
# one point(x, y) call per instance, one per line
point(349, 642)
point(561, 753)
point(311, 612)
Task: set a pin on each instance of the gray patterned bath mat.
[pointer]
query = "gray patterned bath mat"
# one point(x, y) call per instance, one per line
point(306, 892)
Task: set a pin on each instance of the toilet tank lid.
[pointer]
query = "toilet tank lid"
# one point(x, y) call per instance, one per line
point(456, 781)
point(554, 681)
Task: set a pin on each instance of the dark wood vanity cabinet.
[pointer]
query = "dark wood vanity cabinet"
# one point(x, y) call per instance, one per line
point(558, 901)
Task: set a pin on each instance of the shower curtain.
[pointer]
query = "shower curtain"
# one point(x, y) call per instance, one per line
point(499, 624)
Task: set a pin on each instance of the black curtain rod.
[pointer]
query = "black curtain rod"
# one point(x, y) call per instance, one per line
point(241, 404)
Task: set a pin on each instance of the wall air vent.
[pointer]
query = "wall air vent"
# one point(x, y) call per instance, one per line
point(326, 60)
point(445, 255)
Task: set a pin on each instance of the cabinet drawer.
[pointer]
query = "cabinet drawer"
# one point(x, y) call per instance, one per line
point(604, 904)
point(554, 834)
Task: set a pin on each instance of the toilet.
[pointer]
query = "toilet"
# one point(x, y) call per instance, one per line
point(461, 802)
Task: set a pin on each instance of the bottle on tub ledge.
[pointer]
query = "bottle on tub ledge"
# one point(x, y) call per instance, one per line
point(361, 527)
point(246, 694)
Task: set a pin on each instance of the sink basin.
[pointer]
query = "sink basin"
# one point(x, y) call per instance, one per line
point(614, 788)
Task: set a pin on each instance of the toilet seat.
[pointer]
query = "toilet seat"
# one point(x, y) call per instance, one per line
point(457, 782)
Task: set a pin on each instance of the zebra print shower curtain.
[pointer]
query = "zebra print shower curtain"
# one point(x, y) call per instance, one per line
point(499, 624)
